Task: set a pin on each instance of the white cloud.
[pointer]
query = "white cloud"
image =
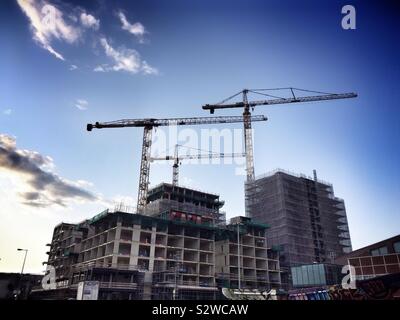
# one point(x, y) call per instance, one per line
point(73, 67)
point(124, 60)
point(89, 21)
point(7, 112)
point(101, 68)
point(38, 186)
point(81, 104)
point(147, 69)
point(47, 23)
point(136, 29)
point(84, 183)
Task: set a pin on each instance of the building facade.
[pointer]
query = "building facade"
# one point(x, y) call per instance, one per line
point(172, 254)
point(378, 259)
point(307, 222)
point(249, 261)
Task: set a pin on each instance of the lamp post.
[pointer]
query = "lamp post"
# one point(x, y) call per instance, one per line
point(23, 264)
point(22, 270)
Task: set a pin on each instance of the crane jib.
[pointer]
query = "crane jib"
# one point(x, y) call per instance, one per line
point(213, 107)
point(150, 123)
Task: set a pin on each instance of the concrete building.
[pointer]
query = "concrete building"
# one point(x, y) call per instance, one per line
point(64, 248)
point(170, 252)
point(258, 263)
point(307, 222)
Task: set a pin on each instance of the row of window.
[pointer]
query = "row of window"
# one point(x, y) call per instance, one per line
point(384, 250)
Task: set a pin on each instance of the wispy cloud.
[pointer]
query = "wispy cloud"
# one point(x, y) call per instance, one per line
point(147, 69)
point(41, 187)
point(7, 112)
point(47, 23)
point(89, 21)
point(101, 68)
point(81, 104)
point(124, 60)
point(137, 29)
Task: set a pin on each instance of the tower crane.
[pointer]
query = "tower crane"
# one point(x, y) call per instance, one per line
point(272, 100)
point(176, 157)
point(148, 125)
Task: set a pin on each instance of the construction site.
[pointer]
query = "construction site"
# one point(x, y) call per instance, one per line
point(178, 244)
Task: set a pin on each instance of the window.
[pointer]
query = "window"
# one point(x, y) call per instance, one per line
point(379, 251)
point(396, 247)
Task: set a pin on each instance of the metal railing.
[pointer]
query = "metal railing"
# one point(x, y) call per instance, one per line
point(90, 265)
point(118, 285)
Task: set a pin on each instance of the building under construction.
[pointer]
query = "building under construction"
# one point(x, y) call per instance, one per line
point(181, 248)
point(307, 222)
point(165, 196)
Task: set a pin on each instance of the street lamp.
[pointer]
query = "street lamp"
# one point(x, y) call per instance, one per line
point(22, 271)
point(23, 265)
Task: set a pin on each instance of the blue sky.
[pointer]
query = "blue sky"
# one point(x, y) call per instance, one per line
point(190, 54)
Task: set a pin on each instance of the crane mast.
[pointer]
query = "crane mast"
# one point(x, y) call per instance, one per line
point(176, 157)
point(272, 100)
point(148, 125)
point(248, 138)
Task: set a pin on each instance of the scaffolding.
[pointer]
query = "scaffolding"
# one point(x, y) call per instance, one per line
point(305, 218)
